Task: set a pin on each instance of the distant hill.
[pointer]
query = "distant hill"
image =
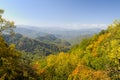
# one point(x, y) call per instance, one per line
point(49, 38)
point(43, 47)
point(29, 32)
point(71, 35)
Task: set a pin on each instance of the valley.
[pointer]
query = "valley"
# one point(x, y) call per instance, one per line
point(59, 40)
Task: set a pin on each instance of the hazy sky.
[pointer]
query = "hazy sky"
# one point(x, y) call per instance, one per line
point(69, 13)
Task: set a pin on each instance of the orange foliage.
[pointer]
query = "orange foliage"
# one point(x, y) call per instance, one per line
point(82, 72)
point(35, 66)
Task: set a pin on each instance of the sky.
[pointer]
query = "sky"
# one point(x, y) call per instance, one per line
point(61, 13)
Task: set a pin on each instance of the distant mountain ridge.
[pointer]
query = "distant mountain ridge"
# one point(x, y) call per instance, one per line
point(62, 33)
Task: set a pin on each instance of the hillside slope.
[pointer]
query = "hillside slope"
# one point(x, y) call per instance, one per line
point(102, 51)
point(35, 45)
point(95, 58)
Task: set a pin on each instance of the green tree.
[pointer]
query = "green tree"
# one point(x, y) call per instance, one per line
point(11, 65)
point(5, 25)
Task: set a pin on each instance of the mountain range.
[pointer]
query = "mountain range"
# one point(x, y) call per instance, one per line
point(62, 33)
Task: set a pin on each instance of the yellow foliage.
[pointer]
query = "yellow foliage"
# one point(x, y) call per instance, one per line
point(93, 46)
point(51, 60)
point(83, 73)
point(12, 47)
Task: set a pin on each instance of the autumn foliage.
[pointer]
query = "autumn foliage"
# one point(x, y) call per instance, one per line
point(95, 58)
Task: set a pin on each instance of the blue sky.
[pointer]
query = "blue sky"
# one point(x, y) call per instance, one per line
point(65, 13)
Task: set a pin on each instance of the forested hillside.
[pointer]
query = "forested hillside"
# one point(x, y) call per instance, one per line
point(43, 45)
point(95, 58)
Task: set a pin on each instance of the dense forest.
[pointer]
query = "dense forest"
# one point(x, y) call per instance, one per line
point(94, 58)
point(42, 45)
